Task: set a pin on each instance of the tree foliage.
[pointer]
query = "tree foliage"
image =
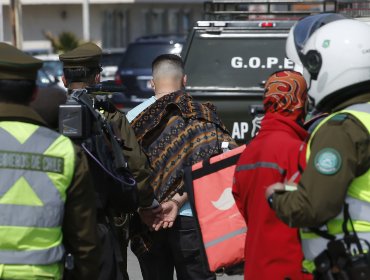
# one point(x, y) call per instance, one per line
point(64, 42)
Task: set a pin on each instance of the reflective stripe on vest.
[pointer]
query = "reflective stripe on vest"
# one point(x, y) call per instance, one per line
point(36, 168)
point(358, 196)
point(46, 256)
point(313, 245)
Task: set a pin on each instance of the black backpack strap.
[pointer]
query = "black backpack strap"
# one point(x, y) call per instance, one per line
point(323, 233)
point(209, 168)
point(350, 237)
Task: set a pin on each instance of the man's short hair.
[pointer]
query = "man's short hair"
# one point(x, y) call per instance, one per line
point(17, 91)
point(168, 65)
point(81, 74)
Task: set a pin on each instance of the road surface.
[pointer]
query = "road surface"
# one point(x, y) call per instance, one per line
point(135, 274)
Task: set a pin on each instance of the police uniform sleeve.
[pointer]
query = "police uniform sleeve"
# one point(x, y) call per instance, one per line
point(79, 225)
point(339, 153)
point(137, 160)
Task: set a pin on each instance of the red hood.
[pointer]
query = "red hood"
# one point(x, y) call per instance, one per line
point(276, 122)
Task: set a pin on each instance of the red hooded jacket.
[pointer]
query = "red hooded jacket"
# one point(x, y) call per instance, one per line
point(272, 250)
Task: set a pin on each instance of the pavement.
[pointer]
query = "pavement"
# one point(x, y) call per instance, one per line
point(135, 274)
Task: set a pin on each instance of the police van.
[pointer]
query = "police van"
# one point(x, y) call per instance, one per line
point(229, 55)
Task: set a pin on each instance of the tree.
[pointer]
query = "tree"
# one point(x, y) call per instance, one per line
point(66, 41)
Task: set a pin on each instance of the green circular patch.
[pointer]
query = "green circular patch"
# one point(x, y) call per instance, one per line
point(328, 161)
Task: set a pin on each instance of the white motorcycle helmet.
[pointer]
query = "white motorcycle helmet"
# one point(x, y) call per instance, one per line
point(302, 31)
point(335, 58)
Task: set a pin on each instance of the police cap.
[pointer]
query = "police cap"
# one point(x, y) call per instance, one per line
point(86, 55)
point(16, 65)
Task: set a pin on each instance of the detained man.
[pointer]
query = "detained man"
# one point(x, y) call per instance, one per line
point(175, 132)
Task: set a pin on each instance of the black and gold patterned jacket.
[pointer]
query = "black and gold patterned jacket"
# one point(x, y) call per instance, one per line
point(176, 132)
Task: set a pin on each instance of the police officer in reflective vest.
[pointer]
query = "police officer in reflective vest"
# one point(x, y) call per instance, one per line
point(47, 206)
point(332, 202)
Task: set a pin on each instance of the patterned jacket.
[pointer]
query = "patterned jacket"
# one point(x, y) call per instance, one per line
point(176, 132)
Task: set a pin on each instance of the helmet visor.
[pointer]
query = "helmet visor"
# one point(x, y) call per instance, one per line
point(308, 25)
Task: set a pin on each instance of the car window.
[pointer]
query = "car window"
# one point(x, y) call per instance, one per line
point(44, 78)
point(234, 61)
point(111, 59)
point(54, 68)
point(142, 55)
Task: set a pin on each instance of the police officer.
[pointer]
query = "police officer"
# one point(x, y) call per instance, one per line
point(47, 104)
point(47, 205)
point(336, 58)
point(82, 68)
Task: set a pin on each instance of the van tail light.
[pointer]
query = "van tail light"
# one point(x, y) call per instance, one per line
point(119, 106)
point(267, 24)
point(117, 79)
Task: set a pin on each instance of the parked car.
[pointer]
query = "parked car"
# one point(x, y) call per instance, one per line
point(52, 66)
point(135, 71)
point(111, 58)
point(49, 95)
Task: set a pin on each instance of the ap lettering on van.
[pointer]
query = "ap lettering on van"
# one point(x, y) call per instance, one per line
point(239, 130)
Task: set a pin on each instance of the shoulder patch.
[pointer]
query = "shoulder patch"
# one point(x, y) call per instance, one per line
point(328, 161)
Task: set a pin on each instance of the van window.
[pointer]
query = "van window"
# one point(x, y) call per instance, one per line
point(237, 61)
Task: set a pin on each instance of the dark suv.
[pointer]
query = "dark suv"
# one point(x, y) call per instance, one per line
point(135, 72)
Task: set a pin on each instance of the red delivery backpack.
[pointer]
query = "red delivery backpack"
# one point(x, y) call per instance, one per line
point(222, 228)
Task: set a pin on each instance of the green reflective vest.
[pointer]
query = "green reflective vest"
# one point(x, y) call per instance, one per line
point(358, 199)
point(36, 169)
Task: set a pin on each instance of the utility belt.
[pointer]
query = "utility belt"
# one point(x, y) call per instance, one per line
point(346, 258)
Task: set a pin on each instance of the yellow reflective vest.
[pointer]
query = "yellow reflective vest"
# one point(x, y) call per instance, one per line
point(36, 169)
point(358, 199)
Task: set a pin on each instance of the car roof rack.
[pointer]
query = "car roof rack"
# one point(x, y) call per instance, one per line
point(247, 9)
point(259, 10)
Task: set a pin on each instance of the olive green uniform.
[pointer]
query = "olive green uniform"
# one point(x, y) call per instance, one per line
point(137, 160)
point(47, 104)
point(79, 224)
point(320, 197)
point(139, 167)
point(88, 56)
